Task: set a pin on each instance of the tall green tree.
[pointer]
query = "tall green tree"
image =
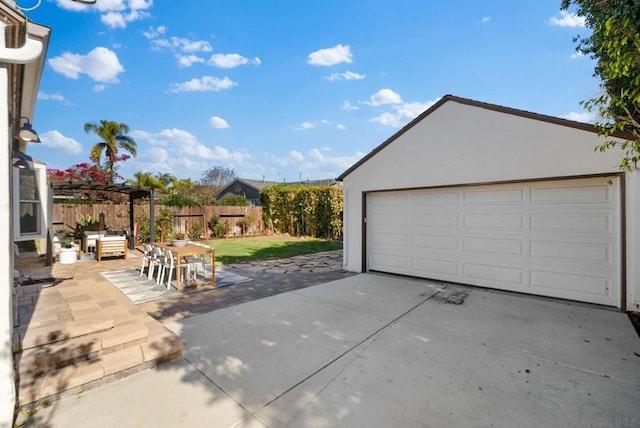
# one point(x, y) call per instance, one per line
point(145, 179)
point(615, 45)
point(114, 137)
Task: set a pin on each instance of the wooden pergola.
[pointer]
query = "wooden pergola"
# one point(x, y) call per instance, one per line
point(60, 188)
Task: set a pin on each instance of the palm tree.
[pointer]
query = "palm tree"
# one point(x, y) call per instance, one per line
point(114, 136)
point(145, 179)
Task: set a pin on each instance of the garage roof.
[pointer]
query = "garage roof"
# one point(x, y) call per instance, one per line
point(507, 110)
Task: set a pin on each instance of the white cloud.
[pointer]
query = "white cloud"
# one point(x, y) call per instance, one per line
point(403, 113)
point(347, 75)
point(114, 20)
point(204, 84)
point(231, 60)
point(316, 163)
point(330, 56)
point(181, 44)
point(115, 13)
point(179, 152)
point(218, 122)
point(305, 125)
point(154, 33)
point(71, 5)
point(55, 140)
point(99, 87)
point(485, 19)
point(296, 156)
point(341, 127)
point(54, 97)
point(383, 96)
point(348, 106)
point(311, 125)
point(100, 64)
point(577, 55)
point(188, 60)
point(584, 116)
point(567, 19)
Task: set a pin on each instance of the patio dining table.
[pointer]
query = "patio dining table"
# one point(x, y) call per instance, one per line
point(180, 254)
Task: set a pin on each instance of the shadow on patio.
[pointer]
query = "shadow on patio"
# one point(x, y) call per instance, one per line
point(74, 330)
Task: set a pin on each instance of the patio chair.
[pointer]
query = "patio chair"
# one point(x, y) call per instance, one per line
point(200, 260)
point(157, 258)
point(147, 249)
point(169, 265)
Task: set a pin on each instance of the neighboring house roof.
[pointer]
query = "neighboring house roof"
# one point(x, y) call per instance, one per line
point(261, 184)
point(479, 104)
point(256, 184)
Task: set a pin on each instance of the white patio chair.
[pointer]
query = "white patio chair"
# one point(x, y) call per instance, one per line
point(170, 264)
point(157, 258)
point(146, 257)
point(200, 260)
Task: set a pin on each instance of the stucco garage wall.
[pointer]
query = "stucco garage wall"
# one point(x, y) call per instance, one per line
point(458, 143)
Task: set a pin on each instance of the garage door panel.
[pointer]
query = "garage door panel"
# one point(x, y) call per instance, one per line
point(494, 197)
point(389, 262)
point(555, 238)
point(572, 222)
point(495, 274)
point(573, 251)
point(494, 246)
point(433, 268)
point(575, 283)
point(390, 239)
point(579, 194)
point(494, 221)
point(435, 200)
point(436, 242)
point(436, 220)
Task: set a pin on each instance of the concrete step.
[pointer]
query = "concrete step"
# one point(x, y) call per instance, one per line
point(79, 333)
point(69, 367)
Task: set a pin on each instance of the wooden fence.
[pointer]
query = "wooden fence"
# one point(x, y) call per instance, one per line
point(116, 217)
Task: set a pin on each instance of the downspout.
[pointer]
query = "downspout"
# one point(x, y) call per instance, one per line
point(30, 51)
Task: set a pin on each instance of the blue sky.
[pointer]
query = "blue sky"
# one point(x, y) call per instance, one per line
point(290, 90)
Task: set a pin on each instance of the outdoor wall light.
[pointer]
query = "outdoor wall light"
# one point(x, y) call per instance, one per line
point(23, 161)
point(26, 132)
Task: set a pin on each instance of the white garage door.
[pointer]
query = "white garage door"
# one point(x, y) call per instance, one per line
point(552, 238)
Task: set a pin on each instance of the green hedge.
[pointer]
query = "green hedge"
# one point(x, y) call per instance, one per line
point(303, 210)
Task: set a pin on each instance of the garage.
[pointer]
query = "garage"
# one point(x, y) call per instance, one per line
point(551, 238)
point(492, 196)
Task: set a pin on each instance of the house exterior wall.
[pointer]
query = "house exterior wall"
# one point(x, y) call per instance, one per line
point(458, 144)
point(252, 194)
point(18, 89)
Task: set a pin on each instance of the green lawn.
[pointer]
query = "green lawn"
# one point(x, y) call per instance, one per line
point(268, 247)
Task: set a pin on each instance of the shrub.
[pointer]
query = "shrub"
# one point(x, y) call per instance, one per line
point(195, 231)
point(216, 228)
point(234, 201)
point(303, 210)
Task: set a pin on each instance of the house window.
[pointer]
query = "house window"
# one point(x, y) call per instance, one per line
point(238, 189)
point(28, 191)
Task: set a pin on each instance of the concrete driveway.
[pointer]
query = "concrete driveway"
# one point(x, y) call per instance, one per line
point(382, 351)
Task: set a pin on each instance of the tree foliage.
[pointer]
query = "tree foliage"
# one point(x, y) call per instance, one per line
point(303, 210)
point(85, 171)
point(615, 45)
point(217, 176)
point(114, 137)
point(233, 201)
